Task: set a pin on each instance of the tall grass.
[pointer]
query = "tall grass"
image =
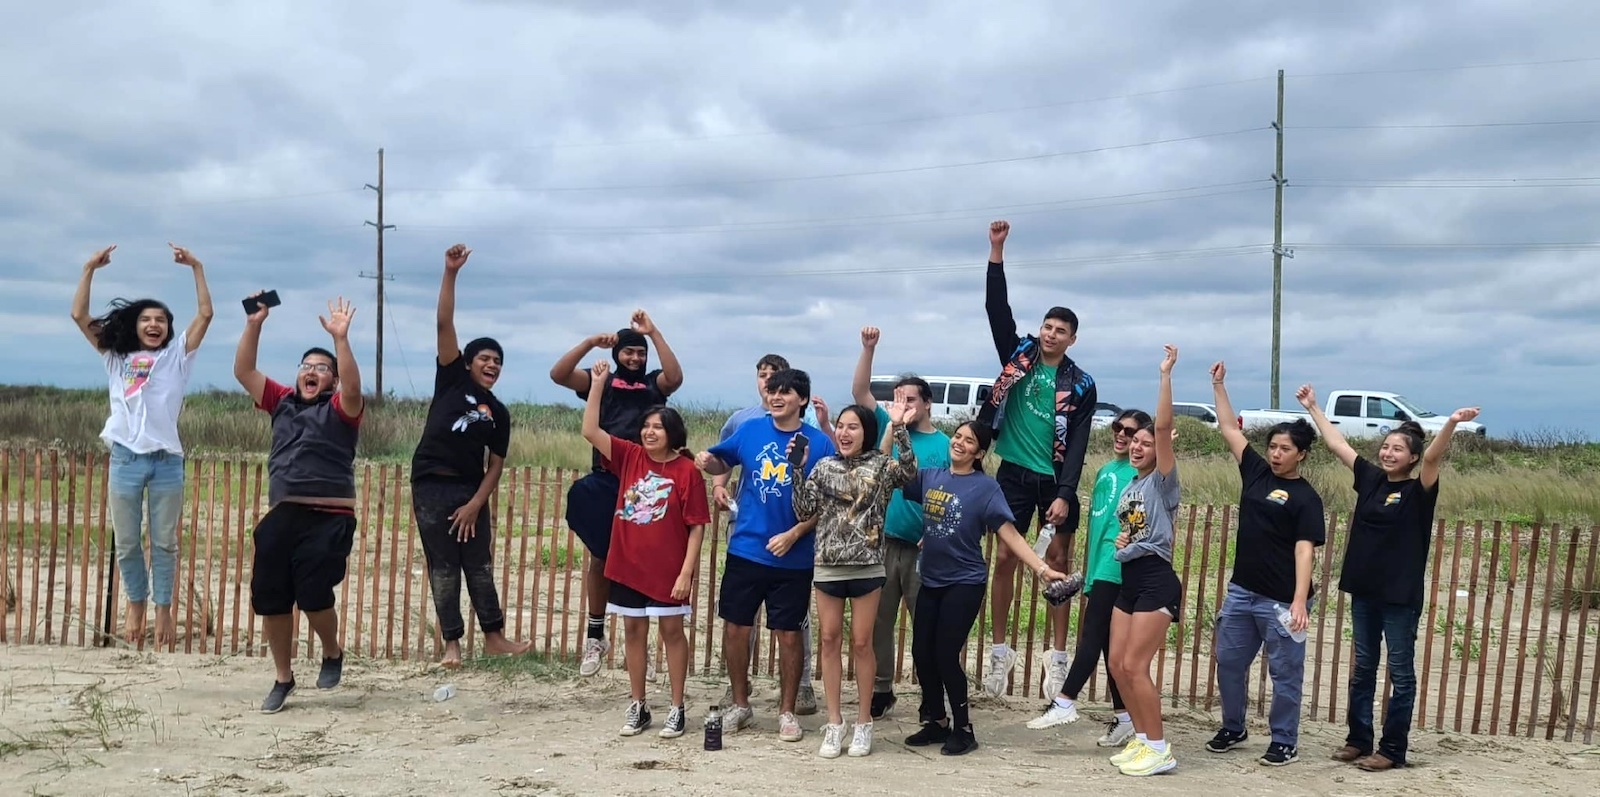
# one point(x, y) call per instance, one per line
point(1552, 479)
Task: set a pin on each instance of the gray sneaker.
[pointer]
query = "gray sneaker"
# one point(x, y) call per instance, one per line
point(736, 718)
point(805, 703)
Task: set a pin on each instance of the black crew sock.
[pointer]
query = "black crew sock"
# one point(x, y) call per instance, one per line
point(597, 626)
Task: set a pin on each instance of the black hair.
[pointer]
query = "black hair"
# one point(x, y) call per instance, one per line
point(1140, 418)
point(869, 426)
point(672, 422)
point(324, 352)
point(985, 437)
point(1301, 434)
point(1414, 436)
point(483, 344)
point(1063, 315)
point(774, 361)
point(791, 379)
point(923, 388)
point(118, 330)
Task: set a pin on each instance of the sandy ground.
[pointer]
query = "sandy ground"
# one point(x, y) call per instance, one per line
point(91, 722)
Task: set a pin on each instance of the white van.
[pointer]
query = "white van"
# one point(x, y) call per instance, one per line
point(955, 398)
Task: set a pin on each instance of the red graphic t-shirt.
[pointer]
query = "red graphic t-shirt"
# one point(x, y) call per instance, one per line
point(657, 504)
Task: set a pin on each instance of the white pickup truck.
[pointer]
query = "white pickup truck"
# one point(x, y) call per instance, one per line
point(1362, 413)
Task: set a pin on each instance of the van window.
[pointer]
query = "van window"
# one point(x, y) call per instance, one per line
point(1347, 406)
point(882, 390)
point(984, 391)
point(938, 392)
point(958, 394)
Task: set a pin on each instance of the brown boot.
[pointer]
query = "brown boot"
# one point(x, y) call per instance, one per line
point(1377, 762)
point(1348, 753)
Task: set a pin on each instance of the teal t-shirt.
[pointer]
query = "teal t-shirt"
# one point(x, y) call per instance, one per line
point(903, 521)
point(1109, 483)
point(1028, 437)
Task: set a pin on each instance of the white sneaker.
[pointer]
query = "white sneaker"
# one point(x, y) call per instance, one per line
point(789, 729)
point(736, 718)
point(1055, 676)
point(861, 742)
point(1001, 663)
point(593, 651)
point(1117, 734)
point(1053, 716)
point(832, 741)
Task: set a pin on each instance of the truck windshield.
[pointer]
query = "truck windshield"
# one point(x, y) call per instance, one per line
point(1411, 407)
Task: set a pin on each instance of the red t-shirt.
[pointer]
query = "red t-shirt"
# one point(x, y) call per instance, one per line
point(657, 504)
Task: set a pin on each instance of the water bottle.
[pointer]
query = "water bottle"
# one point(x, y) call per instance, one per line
point(1046, 534)
point(1059, 592)
point(714, 729)
point(1284, 619)
point(444, 693)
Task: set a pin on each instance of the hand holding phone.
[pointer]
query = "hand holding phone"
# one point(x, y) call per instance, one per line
point(797, 451)
point(264, 299)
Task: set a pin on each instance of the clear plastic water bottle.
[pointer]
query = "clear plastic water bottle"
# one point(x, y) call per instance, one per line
point(1046, 534)
point(714, 729)
point(1059, 592)
point(444, 693)
point(1285, 619)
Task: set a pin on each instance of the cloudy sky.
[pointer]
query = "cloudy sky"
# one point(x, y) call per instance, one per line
point(771, 180)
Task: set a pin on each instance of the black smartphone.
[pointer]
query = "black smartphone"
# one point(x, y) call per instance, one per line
point(268, 299)
point(797, 454)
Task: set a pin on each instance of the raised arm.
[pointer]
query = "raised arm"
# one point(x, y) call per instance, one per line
point(337, 324)
point(861, 382)
point(1227, 421)
point(80, 300)
point(445, 323)
point(597, 437)
point(671, 371)
point(566, 372)
point(1433, 457)
point(996, 301)
point(1307, 396)
point(202, 298)
point(1165, 459)
point(244, 358)
point(904, 467)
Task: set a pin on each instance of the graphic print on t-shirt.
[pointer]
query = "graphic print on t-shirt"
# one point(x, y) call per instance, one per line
point(1392, 499)
point(136, 372)
point(1130, 512)
point(477, 413)
point(942, 513)
point(646, 501)
point(771, 472)
point(1279, 497)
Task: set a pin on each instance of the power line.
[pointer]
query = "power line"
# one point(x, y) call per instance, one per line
point(1528, 246)
point(1445, 68)
point(1448, 125)
point(1443, 179)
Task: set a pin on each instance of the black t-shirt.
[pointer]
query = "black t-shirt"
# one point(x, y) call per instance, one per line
point(463, 420)
point(1274, 514)
point(1390, 531)
point(623, 405)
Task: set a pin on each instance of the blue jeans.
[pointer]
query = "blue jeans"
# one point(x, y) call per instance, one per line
point(1375, 623)
point(137, 479)
point(1246, 623)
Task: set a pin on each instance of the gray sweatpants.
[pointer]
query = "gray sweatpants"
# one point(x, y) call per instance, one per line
point(900, 586)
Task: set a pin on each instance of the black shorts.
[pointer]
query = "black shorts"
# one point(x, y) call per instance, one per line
point(628, 602)
point(300, 554)
point(746, 585)
point(1149, 584)
point(851, 587)
point(591, 506)
point(1028, 493)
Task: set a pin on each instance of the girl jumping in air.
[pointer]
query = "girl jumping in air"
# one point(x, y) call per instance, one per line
point(148, 368)
point(659, 522)
point(1384, 562)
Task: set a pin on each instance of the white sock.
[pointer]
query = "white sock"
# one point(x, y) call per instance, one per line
point(1124, 718)
point(1158, 745)
point(1058, 657)
point(1001, 648)
point(1063, 702)
point(1141, 737)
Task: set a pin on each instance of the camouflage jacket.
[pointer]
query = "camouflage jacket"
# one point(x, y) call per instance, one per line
point(848, 497)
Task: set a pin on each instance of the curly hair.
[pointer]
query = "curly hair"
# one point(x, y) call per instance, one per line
point(118, 330)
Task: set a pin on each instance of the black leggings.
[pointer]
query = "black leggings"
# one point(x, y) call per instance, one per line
point(1094, 642)
point(940, 626)
point(448, 558)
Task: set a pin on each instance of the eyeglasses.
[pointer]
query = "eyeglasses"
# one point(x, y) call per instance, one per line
point(321, 368)
point(1125, 430)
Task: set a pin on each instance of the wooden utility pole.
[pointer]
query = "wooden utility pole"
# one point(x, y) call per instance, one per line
point(378, 390)
point(1278, 252)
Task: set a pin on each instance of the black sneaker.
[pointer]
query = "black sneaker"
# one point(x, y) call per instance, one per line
point(637, 719)
point(1279, 754)
point(881, 703)
point(931, 733)
point(677, 722)
point(280, 692)
point(961, 742)
point(332, 671)
point(1226, 740)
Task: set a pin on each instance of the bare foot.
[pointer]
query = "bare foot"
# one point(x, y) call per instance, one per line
point(166, 630)
point(452, 655)
point(136, 625)
point(496, 644)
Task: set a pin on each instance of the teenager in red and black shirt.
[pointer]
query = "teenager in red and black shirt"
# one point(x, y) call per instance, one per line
point(301, 544)
point(660, 518)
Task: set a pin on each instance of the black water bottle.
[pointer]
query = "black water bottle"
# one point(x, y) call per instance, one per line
point(714, 729)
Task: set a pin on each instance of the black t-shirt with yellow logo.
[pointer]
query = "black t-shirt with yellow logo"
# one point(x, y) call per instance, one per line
point(1274, 514)
point(1390, 532)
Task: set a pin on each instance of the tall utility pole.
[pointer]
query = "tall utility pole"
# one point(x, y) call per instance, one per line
point(378, 391)
point(1278, 252)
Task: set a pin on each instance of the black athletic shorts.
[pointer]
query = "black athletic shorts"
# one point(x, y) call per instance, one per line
point(1028, 493)
point(746, 585)
point(1149, 584)
point(851, 587)
point(591, 506)
point(300, 555)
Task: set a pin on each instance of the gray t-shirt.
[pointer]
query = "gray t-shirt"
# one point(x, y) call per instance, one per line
point(1146, 511)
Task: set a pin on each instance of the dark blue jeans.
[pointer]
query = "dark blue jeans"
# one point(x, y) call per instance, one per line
point(1376, 624)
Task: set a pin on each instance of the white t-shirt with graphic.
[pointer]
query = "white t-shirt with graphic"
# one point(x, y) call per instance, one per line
point(146, 396)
